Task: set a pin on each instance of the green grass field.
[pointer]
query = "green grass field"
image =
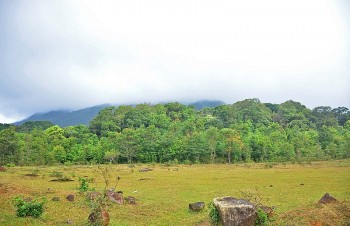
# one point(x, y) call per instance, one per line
point(163, 194)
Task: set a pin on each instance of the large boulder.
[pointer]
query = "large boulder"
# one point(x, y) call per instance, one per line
point(234, 212)
point(327, 198)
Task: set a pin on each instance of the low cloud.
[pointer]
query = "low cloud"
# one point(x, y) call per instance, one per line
point(74, 54)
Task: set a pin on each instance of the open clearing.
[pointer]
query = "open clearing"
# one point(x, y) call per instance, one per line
point(163, 194)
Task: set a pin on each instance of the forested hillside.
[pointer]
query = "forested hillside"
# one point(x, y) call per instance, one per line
point(244, 131)
point(66, 118)
point(85, 115)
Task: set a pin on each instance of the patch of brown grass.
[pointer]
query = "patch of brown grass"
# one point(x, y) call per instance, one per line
point(9, 190)
point(337, 213)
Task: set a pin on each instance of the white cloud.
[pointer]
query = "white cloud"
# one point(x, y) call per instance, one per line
point(72, 54)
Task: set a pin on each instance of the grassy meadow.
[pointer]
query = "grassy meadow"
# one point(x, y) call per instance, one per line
point(163, 194)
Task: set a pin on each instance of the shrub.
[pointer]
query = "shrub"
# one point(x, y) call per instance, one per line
point(84, 184)
point(33, 173)
point(56, 174)
point(269, 165)
point(187, 162)
point(262, 218)
point(60, 177)
point(214, 214)
point(32, 208)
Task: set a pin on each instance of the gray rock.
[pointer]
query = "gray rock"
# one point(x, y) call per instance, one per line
point(327, 198)
point(130, 200)
point(197, 206)
point(234, 212)
point(115, 197)
point(70, 197)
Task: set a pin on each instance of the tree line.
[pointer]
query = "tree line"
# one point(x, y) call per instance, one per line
point(245, 131)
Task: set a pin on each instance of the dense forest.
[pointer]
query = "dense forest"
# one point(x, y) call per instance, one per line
point(245, 131)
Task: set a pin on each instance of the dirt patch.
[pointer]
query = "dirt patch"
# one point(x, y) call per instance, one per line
point(8, 190)
point(319, 214)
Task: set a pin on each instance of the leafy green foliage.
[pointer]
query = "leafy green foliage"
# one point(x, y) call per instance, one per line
point(214, 214)
point(84, 184)
point(31, 125)
point(241, 132)
point(25, 208)
point(262, 218)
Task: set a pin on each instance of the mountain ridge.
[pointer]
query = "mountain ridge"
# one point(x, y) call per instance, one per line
point(83, 116)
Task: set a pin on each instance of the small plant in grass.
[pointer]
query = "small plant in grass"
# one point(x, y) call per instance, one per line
point(214, 214)
point(56, 174)
point(253, 196)
point(33, 173)
point(32, 208)
point(84, 184)
point(262, 218)
point(269, 165)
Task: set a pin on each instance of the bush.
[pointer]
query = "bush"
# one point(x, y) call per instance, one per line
point(59, 176)
point(187, 162)
point(56, 174)
point(84, 184)
point(269, 165)
point(214, 214)
point(262, 218)
point(29, 208)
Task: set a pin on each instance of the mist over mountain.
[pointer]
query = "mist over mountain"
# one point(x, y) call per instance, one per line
point(65, 118)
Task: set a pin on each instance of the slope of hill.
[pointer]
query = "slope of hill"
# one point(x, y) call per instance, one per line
point(199, 105)
point(66, 118)
point(84, 116)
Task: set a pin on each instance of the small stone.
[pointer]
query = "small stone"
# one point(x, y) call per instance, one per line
point(197, 206)
point(69, 221)
point(145, 170)
point(271, 185)
point(327, 198)
point(70, 197)
point(302, 184)
point(56, 199)
point(130, 200)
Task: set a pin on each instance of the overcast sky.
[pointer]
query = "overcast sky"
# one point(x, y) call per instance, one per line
point(74, 54)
